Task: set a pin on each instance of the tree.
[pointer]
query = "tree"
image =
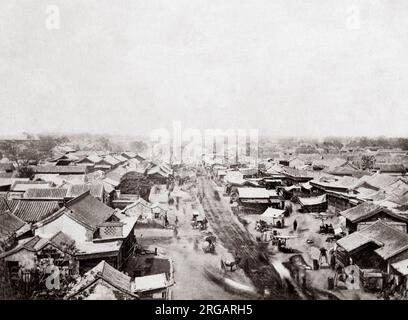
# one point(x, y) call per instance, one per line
point(104, 143)
point(367, 162)
point(138, 146)
point(136, 183)
point(402, 143)
point(333, 142)
point(26, 171)
point(22, 152)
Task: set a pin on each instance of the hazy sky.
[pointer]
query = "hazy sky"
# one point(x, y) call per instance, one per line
point(310, 67)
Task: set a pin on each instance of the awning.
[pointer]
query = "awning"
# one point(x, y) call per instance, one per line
point(271, 213)
point(312, 201)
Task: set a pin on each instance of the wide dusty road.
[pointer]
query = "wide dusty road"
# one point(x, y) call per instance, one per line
point(237, 240)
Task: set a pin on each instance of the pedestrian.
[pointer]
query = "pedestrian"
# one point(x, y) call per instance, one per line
point(332, 261)
point(294, 225)
point(323, 254)
point(176, 221)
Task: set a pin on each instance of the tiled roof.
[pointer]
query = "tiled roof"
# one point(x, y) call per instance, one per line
point(389, 240)
point(60, 240)
point(93, 158)
point(362, 211)
point(129, 154)
point(107, 273)
point(9, 224)
point(60, 169)
point(48, 193)
point(22, 186)
point(88, 211)
point(390, 167)
point(120, 158)
point(33, 210)
point(379, 180)
point(96, 190)
point(110, 160)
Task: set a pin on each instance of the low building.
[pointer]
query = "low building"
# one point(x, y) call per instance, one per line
point(33, 211)
point(275, 217)
point(155, 286)
point(258, 199)
point(99, 233)
point(55, 194)
point(366, 213)
point(373, 250)
point(89, 161)
point(61, 170)
point(31, 253)
point(313, 204)
point(12, 229)
point(103, 282)
point(96, 190)
point(393, 169)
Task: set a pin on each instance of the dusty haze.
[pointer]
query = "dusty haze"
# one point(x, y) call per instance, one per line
point(130, 66)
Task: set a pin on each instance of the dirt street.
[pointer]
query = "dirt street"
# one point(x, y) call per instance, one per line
point(237, 240)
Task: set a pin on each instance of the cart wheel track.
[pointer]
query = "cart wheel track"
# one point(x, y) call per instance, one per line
point(236, 239)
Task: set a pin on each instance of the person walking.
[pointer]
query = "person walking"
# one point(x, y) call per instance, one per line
point(323, 254)
point(332, 260)
point(294, 225)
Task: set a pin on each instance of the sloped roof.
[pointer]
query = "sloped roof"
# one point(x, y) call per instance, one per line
point(129, 154)
point(139, 201)
point(272, 213)
point(364, 211)
point(340, 183)
point(151, 282)
point(390, 167)
point(91, 158)
point(120, 158)
point(401, 267)
point(398, 188)
point(22, 186)
point(306, 185)
point(159, 170)
point(88, 211)
point(389, 240)
point(49, 169)
point(292, 172)
point(256, 193)
point(63, 241)
point(107, 273)
point(330, 163)
point(59, 240)
point(379, 180)
point(116, 175)
point(110, 160)
point(9, 224)
point(347, 171)
point(47, 193)
point(312, 200)
point(96, 190)
point(33, 210)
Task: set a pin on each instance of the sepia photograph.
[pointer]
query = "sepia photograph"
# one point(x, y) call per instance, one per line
point(185, 150)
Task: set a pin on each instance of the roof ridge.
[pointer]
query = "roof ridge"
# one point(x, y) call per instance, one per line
point(78, 198)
